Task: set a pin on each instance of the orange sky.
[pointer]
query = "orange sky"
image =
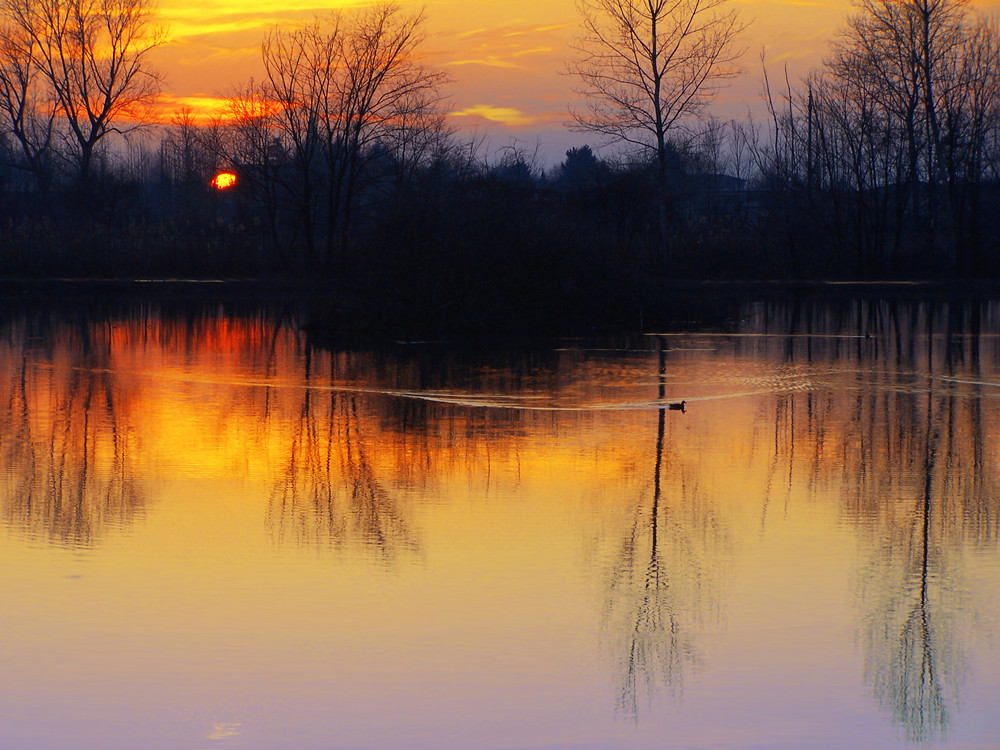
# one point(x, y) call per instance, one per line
point(505, 56)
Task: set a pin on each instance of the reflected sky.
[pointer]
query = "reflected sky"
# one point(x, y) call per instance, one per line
point(217, 534)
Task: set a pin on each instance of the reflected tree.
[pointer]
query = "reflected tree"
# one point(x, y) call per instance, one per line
point(66, 456)
point(660, 585)
point(330, 492)
point(905, 455)
point(912, 590)
point(910, 651)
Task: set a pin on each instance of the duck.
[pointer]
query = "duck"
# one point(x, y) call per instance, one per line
point(677, 407)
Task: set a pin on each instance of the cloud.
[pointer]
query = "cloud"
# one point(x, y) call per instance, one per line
point(224, 16)
point(506, 31)
point(203, 108)
point(504, 46)
point(535, 51)
point(539, 29)
point(491, 61)
point(504, 115)
point(207, 26)
point(217, 8)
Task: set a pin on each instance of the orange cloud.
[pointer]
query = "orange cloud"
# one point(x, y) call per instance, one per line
point(203, 108)
point(490, 61)
point(504, 115)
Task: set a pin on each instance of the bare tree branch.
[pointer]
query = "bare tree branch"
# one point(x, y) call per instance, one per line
point(646, 65)
point(92, 55)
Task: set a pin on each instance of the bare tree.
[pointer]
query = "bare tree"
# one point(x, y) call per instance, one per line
point(904, 54)
point(970, 114)
point(27, 113)
point(301, 64)
point(417, 134)
point(250, 145)
point(185, 157)
point(928, 71)
point(92, 55)
point(380, 80)
point(647, 64)
point(342, 85)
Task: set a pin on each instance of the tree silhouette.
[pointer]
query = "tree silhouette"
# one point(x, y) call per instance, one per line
point(90, 58)
point(647, 64)
point(338, 91)
point(27, 108)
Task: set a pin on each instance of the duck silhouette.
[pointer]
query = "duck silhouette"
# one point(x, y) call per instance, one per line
point(677, 407)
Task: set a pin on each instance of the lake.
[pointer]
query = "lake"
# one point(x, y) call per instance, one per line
point(217, 532)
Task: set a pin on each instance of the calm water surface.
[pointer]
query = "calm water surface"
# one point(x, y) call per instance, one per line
point(214, 534)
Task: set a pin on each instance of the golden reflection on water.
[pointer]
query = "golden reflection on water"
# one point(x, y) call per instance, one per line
point(67, 441)
point(874, 423)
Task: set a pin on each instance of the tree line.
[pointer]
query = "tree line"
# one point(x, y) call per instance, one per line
point(884, 162)
point(893, 146)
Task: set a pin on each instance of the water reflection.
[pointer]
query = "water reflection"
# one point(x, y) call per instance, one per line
point(68, 442)
point(662, 582)
point(329, 491)
point(87, 396)
point(877, 417)
point(911, 588)
point(917, 484)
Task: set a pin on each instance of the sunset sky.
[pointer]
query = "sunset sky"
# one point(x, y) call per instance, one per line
point(505, 56)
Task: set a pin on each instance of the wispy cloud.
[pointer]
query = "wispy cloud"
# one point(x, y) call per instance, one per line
point(491, 61)
point(225, 16)
point(504, 115)
point(538, 29)
point(533, 51)
point(203, 108)
point(507, 31)
point(209, 26)
point(504, 46)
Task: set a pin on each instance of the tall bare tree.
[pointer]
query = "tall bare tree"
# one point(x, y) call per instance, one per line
point(93, 57)
point(342, 85)
point(380, 81)
point(27, 112)
point(249, 143)
point(648, 64)
point(301, 64)
point(970, 124)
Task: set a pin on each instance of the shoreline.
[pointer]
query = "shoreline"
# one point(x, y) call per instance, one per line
point(334, 314)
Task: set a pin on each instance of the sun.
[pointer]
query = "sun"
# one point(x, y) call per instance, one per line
point(223, 180)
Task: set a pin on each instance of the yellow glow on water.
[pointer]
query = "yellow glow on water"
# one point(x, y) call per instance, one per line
point(266, 540)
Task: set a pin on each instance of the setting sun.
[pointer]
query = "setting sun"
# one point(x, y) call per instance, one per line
point(224, 180)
